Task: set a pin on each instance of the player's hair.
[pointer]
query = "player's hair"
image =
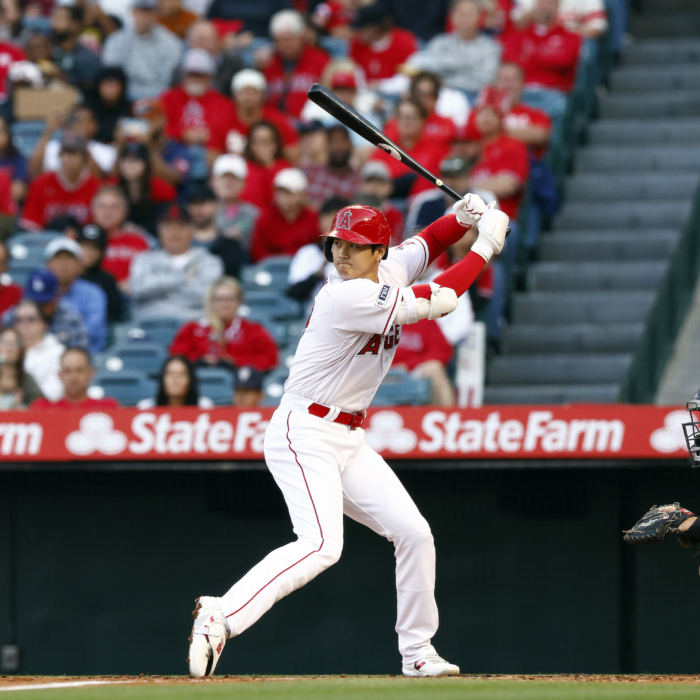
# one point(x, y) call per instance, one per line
point(230, 283)
point(192, 395)
point(247, 151)
point(81, 351)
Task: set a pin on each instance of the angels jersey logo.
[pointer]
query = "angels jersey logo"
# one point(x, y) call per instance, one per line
point(345, 221)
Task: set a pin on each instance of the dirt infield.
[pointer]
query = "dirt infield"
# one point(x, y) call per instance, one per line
point(9, 681)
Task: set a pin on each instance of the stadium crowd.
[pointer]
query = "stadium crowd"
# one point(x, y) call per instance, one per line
point(185, 171)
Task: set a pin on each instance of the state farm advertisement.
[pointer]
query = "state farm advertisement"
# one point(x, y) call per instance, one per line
point(225, 434)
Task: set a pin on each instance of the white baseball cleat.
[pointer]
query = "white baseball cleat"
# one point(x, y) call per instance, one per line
point(431, 665)
point(209, 634)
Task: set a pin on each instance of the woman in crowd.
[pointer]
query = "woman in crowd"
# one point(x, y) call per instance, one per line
point(12, 352)
point(108, 102)
point(42, 358)
point(263, 153)
point(223, 338)
point(13, 163)
point(177, 386)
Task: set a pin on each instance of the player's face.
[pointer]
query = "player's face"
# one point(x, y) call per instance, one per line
point(354, 261)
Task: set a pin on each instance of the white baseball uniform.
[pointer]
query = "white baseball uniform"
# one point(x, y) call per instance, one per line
point(325, 469)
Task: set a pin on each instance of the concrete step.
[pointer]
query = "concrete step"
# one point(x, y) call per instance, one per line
point(609, 245)
point(668, 5)
point(551, 394)
point(666, 24)
point(625, 214)
point(524, 339)
point(551, 308)
point(656, 51)
point(559, 369)
point(636, 186)
point(683, 76)
point(622, 159)
point(644, 132)
point(651, 105)
point(592, 276)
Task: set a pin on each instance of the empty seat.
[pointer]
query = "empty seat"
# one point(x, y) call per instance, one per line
point(156, 330)
point(401, 389)
point(127, 387)
point(270, 305)
point(269, 275)
point(144, 357)
point(29, 247)
point(217, 384)
point(273, 386)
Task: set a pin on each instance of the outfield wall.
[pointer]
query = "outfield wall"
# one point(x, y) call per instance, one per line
point(100, 563)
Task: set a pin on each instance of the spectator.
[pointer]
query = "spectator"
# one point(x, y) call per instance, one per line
point(288, 223)
point(93, 242)
point(248, 389)
point(171, 15)
point(424, 19)
point(177, 387)
point(173, 281)
point(223, 339)
point(264, 157)
point(334, 17)
point(424, 352)
point(294, 66)
point(248, 87)
point(108, 102)
point(202, 210)
point(196, 113)
point(378, 47)
point(42, 350)
point(376, 181)
point(147, 52)
point(68, 191)
point(313, 147)
point(254, 16)
point(585, 17)
point(80, 122)
point(12, 353)
point(547, 52)
point(147, 196)
point(235, 219)
point(75, 374)
point(203, 35)
point(11, 395)
point(10, 53)
point(410, 123)
point(64, 259)
point(10, 293)
point(13, 163)
point(78, 63)
point(124, 241)
point(338, 178)
point(464, 58)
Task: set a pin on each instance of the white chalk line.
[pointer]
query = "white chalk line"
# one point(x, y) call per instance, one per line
point(69, 684)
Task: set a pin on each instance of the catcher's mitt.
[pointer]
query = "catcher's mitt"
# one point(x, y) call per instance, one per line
point(657, 523)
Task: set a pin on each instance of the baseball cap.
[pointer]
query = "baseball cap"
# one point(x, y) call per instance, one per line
point(41, 286)
point(249, 378)
point(62, 243)
point(291, 179)
point(73, 142)
point(134, 149)
point(375, 169)
point(202, 193)
point(144, 4)
point(230, 164)
point(198, 61)
point(174, 213)
point(455, 167)
point(343, 79)
point(248, 78)
point(148, 108)
point(94, 234)
point(375, 13)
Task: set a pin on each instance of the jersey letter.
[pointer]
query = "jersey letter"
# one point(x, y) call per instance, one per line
point(372, 346)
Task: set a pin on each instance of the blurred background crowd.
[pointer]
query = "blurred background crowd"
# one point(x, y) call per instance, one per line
point(164, 178)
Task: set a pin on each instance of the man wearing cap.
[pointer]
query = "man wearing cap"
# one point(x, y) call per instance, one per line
point(147, 52)
point(196, 113)
point(248, 90)
point(294, 66)
point(64, 259)
point(234, 219)
point(173, 281)
point(63, 321)
point(66, 192)
point(248, 388)
point(288, 223)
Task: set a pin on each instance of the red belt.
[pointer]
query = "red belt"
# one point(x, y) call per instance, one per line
point(352, 420)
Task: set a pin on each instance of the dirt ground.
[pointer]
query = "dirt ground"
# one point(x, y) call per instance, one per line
point(181, 680)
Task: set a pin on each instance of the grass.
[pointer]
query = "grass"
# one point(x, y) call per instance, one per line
point(378, 689)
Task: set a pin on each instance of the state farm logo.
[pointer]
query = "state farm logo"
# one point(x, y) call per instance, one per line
point(386, 432)
point(670, 438)
point(96, 434)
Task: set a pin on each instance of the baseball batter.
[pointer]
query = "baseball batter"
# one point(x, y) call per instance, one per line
point(314, 445)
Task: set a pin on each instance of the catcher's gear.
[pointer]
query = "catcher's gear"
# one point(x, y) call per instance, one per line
point(692, 430)
point(658, 522)
point(358, 224)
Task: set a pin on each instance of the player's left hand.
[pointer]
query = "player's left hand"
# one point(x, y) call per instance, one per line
point(658, 522)
point(469, 210)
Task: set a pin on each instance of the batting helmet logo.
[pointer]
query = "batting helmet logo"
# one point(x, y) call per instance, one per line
point(345, 220)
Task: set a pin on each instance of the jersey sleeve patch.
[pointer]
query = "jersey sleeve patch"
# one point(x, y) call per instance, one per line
point(383, 298)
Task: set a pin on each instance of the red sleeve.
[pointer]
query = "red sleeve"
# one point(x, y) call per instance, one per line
point(441, 234)
point(34, 204)
point(461, 276)
point(182, 343)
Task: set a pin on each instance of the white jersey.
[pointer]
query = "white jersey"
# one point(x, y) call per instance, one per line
point(350, 339)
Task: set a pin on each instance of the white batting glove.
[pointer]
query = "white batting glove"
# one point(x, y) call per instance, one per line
point(493, 226)
point(469, 210)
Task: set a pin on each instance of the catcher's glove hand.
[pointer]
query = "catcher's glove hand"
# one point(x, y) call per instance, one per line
point(657, 523)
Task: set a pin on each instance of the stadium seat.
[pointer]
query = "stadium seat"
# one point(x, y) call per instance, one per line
point(155, 330)
point(401, 389)
point(29, 247)
point(273, 386)
point(127, 387)
point(268, 275)
point(217, 384)
point(25, 136)
point(277, 330)
point(270, 305)
point(145, 357)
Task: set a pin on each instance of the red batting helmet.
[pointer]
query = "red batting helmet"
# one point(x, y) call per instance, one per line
point(359, 224)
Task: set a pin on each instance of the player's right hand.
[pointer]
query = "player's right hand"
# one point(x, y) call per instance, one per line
point(493, 226)
point(469, 210)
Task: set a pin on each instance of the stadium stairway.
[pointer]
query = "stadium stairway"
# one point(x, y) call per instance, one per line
point(573, 332)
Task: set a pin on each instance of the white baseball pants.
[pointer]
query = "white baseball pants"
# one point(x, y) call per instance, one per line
point(325, 470)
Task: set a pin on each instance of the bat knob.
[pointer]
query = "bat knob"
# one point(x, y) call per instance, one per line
point(507, 232)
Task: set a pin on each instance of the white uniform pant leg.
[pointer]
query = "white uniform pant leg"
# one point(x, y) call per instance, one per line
point(302, 454)
point(374, 496)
